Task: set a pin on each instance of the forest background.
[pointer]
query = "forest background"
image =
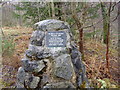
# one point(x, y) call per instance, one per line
point(95, 30)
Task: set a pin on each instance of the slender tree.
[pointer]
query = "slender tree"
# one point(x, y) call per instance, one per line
point(64, 12)
point(105, 22)
point(106, 13)
point(53, 9)
point(79, 25)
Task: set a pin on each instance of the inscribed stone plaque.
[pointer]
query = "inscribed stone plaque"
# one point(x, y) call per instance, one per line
point(56, 39)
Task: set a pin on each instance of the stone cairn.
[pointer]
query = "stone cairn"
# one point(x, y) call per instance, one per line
point(52, 59)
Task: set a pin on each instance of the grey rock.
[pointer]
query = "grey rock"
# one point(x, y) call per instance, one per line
point(56, 52)
point(21, 75)
point(40, 55)
point(76, 58)
point(40, 66)
point(46, 53)
point(31, 81)
point(31, 53)
point(19, 86)
point(35, 48)
point(26, 65)
point(37, 52)
point(20, 78)
point(33, 66)
point(60, 85)
point(63, 67)
point(37, 38)
point(45, 79)
point(74, 54)
point(51, 24)
point(79, 67)
point(43, 54)
point(34, 82)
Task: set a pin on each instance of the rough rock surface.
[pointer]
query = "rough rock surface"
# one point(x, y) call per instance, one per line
point(51, 67)
point(63, 67)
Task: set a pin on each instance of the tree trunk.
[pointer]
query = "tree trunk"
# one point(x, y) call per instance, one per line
point(64, 12)
point(53, 9)
point(20, 18)
point(79, 25)
point(49, 10)
point(59, 5)
point(106, 30)
point(119, 39)
point(38, 9)
point(105, 22)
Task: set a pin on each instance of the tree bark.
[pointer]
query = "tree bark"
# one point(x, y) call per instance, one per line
point(108, 37)
point(59, 5)
point(79, 25)
point(49, 10)
point(105, 22)
point(106, 29)
point(38, 9)
point(119, 40)
point(53, 9)
point(64, 12)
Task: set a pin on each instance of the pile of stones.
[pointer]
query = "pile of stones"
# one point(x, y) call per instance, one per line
point(52, 59)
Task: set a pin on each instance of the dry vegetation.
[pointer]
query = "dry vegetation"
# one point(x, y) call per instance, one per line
point(96, 64)
point(94, 59)
point(21, 39)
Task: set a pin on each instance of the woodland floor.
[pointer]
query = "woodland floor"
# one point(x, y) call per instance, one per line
point(94, 59)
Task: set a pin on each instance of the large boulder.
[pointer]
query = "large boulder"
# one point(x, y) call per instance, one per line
point(52, 59)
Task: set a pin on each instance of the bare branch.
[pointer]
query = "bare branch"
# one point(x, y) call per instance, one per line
point(88, 25)
point(113, 7)
point(92, 24)
point(116, 17)
point(3, 3)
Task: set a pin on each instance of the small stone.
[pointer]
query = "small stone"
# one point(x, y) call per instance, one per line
point(21, 75)
point(31, 53)
point(45, 79)
point(19, 86)
point(43, 54)
point(40, 55)
point(40, 66)
point(74, 54)
point(20, 78)
point(34, 82)
point(26, 65)
point(37, 38)
point(46, 53)
point(60, 85)
point(33, 66)
point(31, 81)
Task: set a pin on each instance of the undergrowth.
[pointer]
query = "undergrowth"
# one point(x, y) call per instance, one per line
point(95, 62)
point(8, 46)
